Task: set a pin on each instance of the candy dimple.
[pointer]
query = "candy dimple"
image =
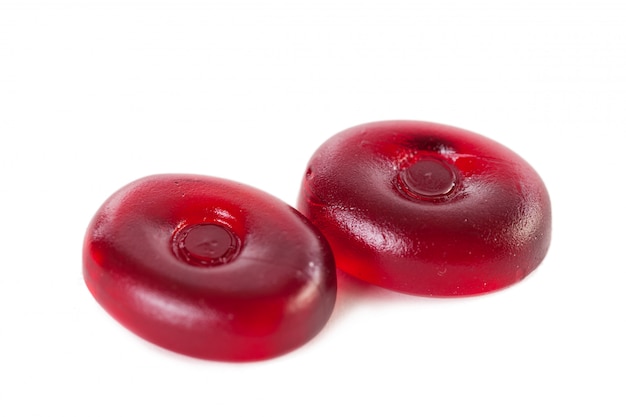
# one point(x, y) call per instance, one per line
point(205, 244)
point(428, 177)
point(427, 209)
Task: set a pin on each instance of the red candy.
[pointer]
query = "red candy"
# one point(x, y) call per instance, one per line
point(427, 209)
point(209, 268)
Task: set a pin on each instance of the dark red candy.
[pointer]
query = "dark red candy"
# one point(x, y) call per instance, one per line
point(209, 268)
point(427, 209)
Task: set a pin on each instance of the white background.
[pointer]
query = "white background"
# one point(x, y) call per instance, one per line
point(95, 94)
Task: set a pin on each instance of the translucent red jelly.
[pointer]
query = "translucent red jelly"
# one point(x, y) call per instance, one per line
point(209, 268)
point(427, 209)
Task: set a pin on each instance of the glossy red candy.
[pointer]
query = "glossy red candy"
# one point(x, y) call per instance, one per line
point(209, 268)
point(427, 209)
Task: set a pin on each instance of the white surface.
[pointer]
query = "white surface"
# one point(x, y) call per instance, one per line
point(95, 94)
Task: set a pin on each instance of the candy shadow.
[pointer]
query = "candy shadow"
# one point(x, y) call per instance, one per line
point(353, 293)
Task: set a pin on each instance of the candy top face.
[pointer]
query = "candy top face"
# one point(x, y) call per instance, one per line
point(154, 213)
point(426, 208)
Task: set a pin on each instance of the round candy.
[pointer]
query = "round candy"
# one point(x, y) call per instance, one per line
point(427, 209)
point(209, 268)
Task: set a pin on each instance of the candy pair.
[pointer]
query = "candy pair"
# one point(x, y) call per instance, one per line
point(215, 269)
